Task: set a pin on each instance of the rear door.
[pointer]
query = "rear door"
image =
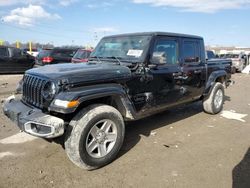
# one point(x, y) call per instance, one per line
point(193, 68)
point(4, 60)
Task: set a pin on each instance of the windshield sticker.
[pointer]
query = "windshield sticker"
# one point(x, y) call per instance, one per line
point(135, 53)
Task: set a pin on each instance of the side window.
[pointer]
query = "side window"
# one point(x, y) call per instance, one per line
point(64, 53)
point(191, 51)
point(167, 49)
point(3, 52)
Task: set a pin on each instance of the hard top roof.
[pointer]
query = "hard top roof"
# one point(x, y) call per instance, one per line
point(157, 33)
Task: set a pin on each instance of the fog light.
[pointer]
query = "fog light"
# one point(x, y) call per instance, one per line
point(40, 129)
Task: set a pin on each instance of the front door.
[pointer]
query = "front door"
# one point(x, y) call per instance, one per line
point(160, 85)
point(165, 84)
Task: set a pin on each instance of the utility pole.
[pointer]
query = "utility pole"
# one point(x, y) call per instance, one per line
point(30, 47)
point(17, 44)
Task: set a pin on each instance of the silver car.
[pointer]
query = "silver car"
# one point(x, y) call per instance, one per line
point(239, 60)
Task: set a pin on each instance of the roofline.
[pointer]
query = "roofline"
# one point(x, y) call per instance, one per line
point(66, 48)
point(3, 46)
point(156, 33)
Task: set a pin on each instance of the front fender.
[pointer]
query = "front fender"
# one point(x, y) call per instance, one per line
point(87, 93)
point(212, 80)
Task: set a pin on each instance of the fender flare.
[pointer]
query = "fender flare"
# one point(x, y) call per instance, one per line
point(212, 80)
point(86, 93)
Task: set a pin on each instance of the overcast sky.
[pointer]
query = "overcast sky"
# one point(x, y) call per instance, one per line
point(84, 22)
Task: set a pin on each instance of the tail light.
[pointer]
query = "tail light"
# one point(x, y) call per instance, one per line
point(47, 59)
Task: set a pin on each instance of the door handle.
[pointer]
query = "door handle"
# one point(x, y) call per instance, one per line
point(197, 71)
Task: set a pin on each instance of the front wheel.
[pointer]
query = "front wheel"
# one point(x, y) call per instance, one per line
point(95, 136)
point(233, 70)
point(214, 103)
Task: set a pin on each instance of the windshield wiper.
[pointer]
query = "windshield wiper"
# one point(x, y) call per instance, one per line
point(116, 58)
point(96, 57)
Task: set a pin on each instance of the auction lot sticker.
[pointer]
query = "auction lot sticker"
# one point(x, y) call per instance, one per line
point(135, 53)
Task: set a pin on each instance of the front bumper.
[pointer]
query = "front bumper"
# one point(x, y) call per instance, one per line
point(33, 120)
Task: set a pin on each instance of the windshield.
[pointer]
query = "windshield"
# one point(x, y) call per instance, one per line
point(231, 56)
point(122, 47)
point(65, 53)
point(44, 53)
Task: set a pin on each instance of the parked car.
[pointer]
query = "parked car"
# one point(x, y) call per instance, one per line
point(239, 60)
point(34, 52)
point(81, 56)
point(14, 60)
point(55, 56)
point(127, 77)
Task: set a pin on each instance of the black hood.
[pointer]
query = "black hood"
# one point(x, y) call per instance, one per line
point(83, 72)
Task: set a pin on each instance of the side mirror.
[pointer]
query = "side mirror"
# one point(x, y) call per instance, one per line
point(159, 58)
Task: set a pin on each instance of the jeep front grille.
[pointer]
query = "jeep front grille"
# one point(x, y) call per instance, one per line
point(32, 90)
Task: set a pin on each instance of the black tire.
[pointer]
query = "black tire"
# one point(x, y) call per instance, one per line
point(79, 133)
point(233, 70)
point(209, 105)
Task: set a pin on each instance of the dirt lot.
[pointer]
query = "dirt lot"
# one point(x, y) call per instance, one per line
point(182, 147)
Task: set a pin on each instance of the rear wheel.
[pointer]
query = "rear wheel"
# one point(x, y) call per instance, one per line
point(214, 103)
point(96, 136)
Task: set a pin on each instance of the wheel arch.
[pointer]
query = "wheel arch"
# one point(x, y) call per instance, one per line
point(109, 94)
point(216, 76)
point(118, 101)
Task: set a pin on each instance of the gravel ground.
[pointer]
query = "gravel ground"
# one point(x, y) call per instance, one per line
point(183, 147)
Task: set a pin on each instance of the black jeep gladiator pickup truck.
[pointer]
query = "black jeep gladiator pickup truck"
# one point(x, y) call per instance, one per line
point(128, 77)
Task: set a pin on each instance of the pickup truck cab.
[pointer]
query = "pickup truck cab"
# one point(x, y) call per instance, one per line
point(127, 77)
point(14, 60)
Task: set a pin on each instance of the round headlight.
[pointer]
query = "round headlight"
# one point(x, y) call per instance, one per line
point(49, 90)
